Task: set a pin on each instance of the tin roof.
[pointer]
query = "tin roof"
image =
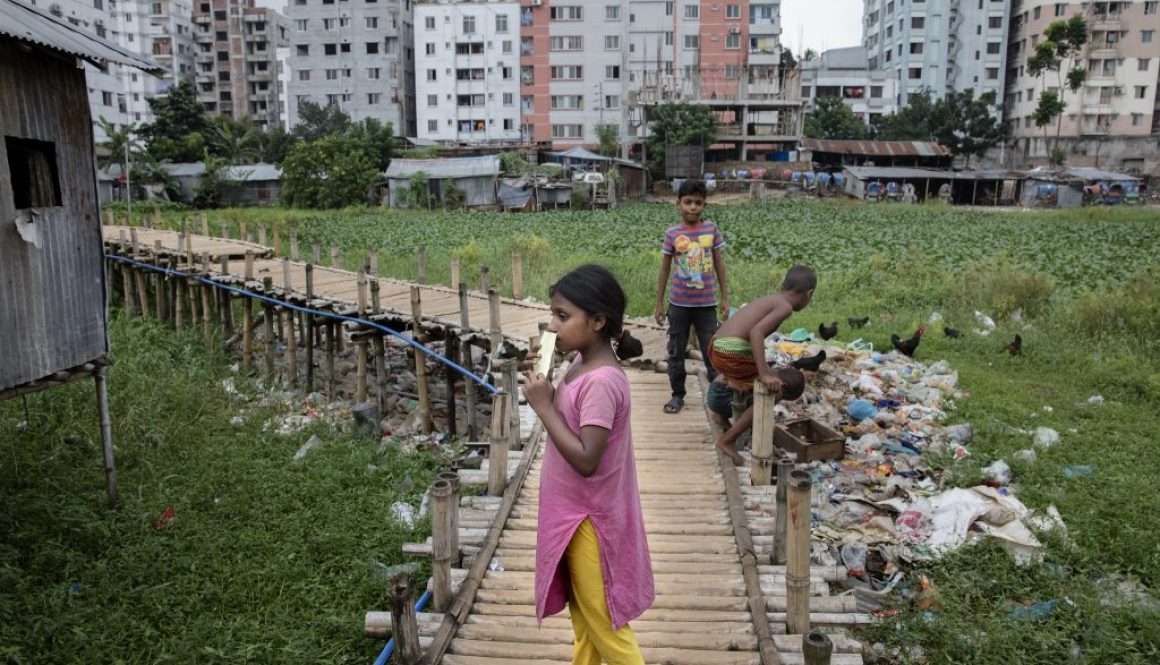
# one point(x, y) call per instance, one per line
point(918, 173)
point(877, 148)
point(35, 26)
point(453, 167)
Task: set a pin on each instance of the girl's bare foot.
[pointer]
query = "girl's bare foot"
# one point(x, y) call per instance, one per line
point(726, 448)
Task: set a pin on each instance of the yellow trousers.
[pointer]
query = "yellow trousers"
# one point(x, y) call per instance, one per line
point(595, 639)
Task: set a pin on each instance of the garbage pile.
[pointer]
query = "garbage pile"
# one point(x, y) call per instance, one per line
point(886, 503)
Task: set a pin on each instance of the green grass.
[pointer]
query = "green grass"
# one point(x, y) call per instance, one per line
point(267, 560)
point(276, 568)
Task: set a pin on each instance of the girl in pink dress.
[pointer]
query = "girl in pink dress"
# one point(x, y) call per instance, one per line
point(591, 550)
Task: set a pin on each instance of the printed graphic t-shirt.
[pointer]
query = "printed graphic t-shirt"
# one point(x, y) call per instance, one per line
point(694, 279)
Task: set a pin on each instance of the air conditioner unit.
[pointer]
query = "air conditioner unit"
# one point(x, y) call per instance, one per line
point(537, 3)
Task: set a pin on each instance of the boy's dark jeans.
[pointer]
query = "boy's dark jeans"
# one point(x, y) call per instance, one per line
point(681, 320)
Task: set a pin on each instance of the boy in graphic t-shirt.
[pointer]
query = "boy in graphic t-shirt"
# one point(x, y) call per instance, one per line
point(692, 258)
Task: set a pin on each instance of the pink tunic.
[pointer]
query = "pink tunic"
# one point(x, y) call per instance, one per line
point(609, 497)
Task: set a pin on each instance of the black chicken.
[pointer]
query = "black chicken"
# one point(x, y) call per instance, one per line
point(828, 332)
point(953, 333)
point(857, 323)
point(811, 363)
point(1016, 346)
point(907, 346)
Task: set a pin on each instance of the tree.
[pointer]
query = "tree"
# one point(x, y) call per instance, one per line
point(678, 123)
point(832, 119)
point(377, 140)
point(236, 141)
point(315, 121)
point(1061, 40)
point(332, 172)
point(965, 125)
point(609, 137)
point(150, 172)
point(214, 181)
point(275, 144)
point(179, 125)
point(912, 122)
point(119, 146)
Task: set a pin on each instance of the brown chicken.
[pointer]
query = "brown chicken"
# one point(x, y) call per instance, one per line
point(857, 323)
point(1016, 346)
point(907, 346)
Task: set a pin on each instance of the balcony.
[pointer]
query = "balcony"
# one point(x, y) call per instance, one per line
point(1104, 51)
point(1095, 129)
point(1107, 21)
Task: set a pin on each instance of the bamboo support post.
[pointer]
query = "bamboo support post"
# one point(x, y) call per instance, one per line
point(470, 393)
point(817, 648)
point(421, 386)
point(225, 230)
point(453, 478)
point(762, 442)
point(315, 254)
point(484, 279)
point(262, 235)
point(797, 565)
point(268, 309)
point(159, 299)
point(383, 387)
point(178, 301)
point(511, 379)
point(495, 333)
point(106, 437)
point(294, 245)
point(224, 301)
point(498, 451)
point(249, 274)
point(421, 264)
point(404, 625)
point(171, 291)
point(360, 391)
point(277, 245)
point(157, 215)
point(126, 278)
point(334, 257)
point(206, 309)
point(244, 231)
point(373, 262)
point(442, 525)
point(517, 277)
point(451, 349)
point(784, 468)
point(204, 224)
point(330, 377)
point(139, 277)
point(308, 329)
point(247, 334)
point(455, 273)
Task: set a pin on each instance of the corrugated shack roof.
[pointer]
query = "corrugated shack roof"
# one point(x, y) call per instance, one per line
point(913, 173)
point(454, 167)
point(1077, 173)
point(35, 26)
point(877, 148)
point(239, 172)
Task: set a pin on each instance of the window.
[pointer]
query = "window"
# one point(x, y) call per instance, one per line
point(733, 41)
point(566, 43)
point(692, 11)
point(915, 73)
point(374, 97)
point(995, 22)
point(668, 9)
point(612, 72)
point(501, 23)
point(1142, 64)
point(219, 15)
point(732, 71)
point(1035, 13)
point(221, 36)
point(566, 102)
point(875, 92)
point(332, 75)
point(1146, 36)
point(344, 48)
point(509, 99)
point(732, 11)
point(993, 48)
point(328, 24)
point(507, 73)
point(507, 46)
point(1150, 7)
point(612, 12)
point(432, 101)
point(916, 47)
point(567, 72)
point(372, 22)
point(330, 49)
point(508, 123)
point(1060, 8)
point(992, 73)
point(372, 48)
point(35, 178)
point(611, 101)
point(1137, 119)
point(429, 49)
point(567, 131)
point(432, 125)
point(668, 39)
point(612, 42)
point(468, 25)
point(432, 75)
point(301, 24)
point(692, 41)
point(917, 23)
point(566, 13)
point(1141, 92)
point(429, 22)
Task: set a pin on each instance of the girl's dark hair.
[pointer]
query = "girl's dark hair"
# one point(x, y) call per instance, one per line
point(595, 290)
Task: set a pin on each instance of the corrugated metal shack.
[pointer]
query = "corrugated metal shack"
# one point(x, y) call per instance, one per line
point(252, 183)
point(52, 298)
point(1066, 188)
point(827, 152)
point(633, 176)
point(984, 187)
point(477, 177)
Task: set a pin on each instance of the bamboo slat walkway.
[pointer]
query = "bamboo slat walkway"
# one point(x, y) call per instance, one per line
point(216, 248)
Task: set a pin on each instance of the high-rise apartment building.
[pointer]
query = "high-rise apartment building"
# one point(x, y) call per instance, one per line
point(236, 59)
point(159, 29)
point(938, 45)
point(843, 73)
point(467, 86)
point(357, 54)
point(1116, 114)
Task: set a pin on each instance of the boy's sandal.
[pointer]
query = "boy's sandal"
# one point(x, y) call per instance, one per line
point(675, 405)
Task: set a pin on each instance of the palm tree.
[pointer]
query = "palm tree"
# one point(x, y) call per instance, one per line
point(237, 142)
point(118, 147)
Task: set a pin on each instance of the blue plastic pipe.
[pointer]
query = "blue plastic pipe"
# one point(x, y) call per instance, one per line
point(390, 648)
point(329, 315)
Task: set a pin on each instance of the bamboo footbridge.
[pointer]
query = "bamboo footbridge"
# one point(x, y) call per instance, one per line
point(730, 549)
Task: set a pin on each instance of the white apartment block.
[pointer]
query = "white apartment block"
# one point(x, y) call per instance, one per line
point(467, 64)
point(844, 73)
point(357, 54)
point(939, 45)
point(158, 29)
point(1118, 109)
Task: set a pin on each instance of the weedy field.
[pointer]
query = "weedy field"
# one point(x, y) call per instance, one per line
point(267, 560)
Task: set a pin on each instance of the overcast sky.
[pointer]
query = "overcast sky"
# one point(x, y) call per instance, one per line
point(820, 24)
